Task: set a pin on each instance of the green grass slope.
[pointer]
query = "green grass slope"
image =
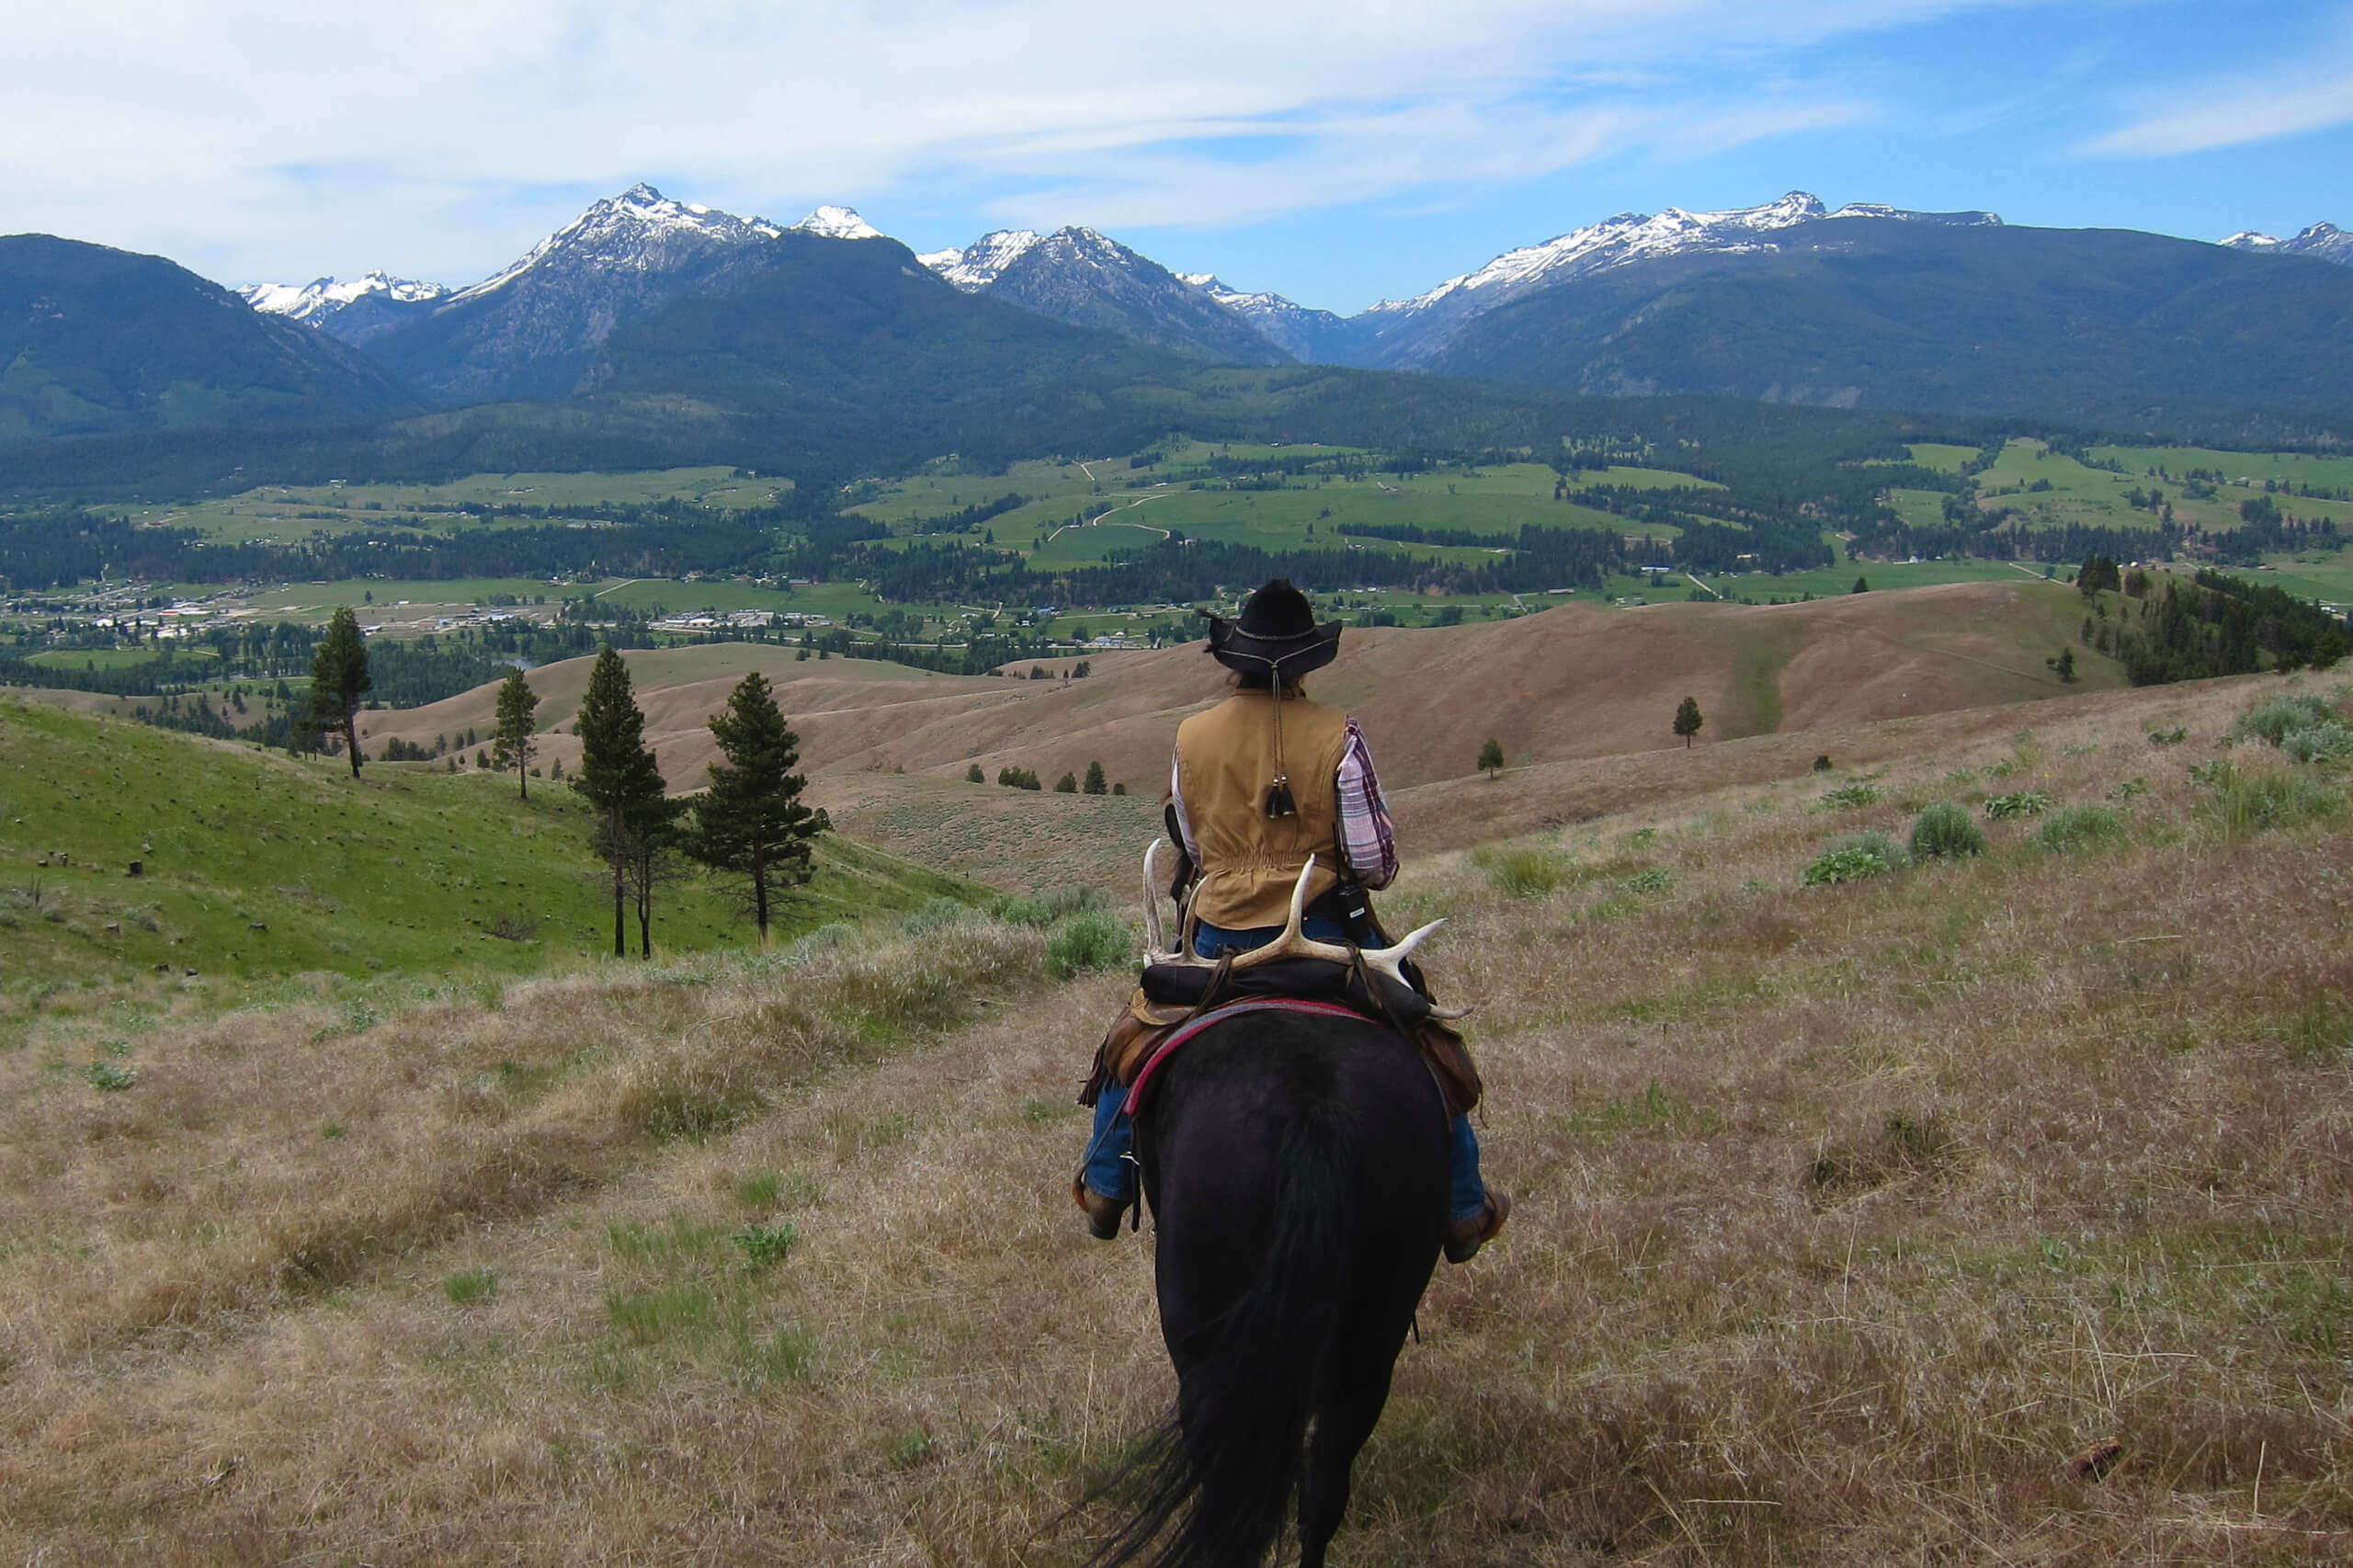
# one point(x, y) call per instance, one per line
point(255, 864)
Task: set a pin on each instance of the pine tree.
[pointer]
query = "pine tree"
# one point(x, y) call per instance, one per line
point(1066, 785)
point(339, 680)
point(974, 774)
point(1095, 784)
point(751, 820)
point(1688, 720)
point(1491, 758)
point(511, 742)
point(619, 776)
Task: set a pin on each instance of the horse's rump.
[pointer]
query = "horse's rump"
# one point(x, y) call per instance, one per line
point(1296, 1166)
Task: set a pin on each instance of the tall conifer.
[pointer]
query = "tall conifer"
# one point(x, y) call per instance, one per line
point(750, 821)
point(339, 682)
point(513, 742)
point(620, 779)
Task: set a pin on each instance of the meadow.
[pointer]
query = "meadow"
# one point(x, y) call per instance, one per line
point(255, 865)
point(1870, 1209)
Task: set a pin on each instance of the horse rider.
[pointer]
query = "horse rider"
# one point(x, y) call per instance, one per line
point(1248, 826)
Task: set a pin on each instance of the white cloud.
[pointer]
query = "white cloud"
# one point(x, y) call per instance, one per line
point(280, 137)
point(2235, 116)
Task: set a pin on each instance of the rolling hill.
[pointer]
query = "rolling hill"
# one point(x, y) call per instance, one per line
point(1573, 684)
point(94, 341)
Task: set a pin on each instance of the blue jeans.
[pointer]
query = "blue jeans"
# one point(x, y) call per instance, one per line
point(1110, 1165)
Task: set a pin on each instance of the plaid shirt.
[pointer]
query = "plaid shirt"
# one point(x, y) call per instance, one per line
point(1368, 841)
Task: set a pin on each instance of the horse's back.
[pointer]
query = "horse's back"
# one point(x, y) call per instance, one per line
point(1340, 1114)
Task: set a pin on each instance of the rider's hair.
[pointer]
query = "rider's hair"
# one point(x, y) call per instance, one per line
point(1259, 680)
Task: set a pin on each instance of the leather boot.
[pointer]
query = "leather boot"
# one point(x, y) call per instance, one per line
point(1464, 1237)
point(1103, 1214)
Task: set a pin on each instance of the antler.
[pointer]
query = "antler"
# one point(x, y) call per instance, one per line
point(1296, 943)
point(1293, 943)
point(1155, 935)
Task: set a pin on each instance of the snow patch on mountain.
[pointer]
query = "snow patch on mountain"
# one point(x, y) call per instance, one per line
point(640, 229)
point(1635, 236)
point(839, 223)
point(983, 261)
point(304, 301)
point(2325, 240)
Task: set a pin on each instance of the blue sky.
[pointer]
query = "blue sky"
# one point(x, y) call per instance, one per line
point(1337, 151)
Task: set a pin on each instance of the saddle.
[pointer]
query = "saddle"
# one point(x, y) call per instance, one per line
point(1169, 997)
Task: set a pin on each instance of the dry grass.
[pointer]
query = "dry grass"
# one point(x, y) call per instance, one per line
point(1854, 1224)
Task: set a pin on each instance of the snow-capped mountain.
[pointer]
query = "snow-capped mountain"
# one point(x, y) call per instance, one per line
point(1077, 275)
point(981, 262)
point(1301, 331)
point(2325, 240)
point(839, 223)
point(639, 231)
point(532, 330)
point(352, 309)
point(1407, 332)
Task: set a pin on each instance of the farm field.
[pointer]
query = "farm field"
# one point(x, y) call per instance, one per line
point(1988, 1209)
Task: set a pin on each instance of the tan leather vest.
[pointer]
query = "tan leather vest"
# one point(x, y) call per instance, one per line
point(1226, 760)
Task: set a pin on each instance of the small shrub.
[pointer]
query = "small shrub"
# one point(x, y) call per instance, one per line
point(1090, 942)
point(2131, 790)
point(2270, 720)
point(759, 1190)
point(108, 1077)
point(1024, 912)
point(765, 1247)
point(2243, 803)
point(2074, 829)
point(470, 1286)
point(1852, 797)
point(1822, 763)
point(939, 912)
point(1945, 831)
point(2025, 803)
point(2328, 741)
point(1852, 859)
point(1073, 899)
point(1524, 872)
point(1655, 880)
point(2172, 737)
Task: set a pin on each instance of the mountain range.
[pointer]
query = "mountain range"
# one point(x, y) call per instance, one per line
point(673, 317)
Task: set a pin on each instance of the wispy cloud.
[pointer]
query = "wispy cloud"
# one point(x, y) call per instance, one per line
point(2239, 114)
point(239, 134)
point(2306, 85)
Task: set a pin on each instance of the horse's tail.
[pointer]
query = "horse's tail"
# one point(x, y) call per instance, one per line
point(1222, 1469)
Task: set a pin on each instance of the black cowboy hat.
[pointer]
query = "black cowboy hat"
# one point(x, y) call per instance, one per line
point(1276, 634)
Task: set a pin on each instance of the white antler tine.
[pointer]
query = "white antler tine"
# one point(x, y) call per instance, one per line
point(1292, 928)
point(1390, 960)
point(1294, 941)
point(1152, 934)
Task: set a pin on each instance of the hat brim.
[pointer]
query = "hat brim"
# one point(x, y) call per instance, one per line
point(1289, 657)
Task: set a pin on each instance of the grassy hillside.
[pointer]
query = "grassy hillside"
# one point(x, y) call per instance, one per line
point(1991, 1210)
point(257, 865)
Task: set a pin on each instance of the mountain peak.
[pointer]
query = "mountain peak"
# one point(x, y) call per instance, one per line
point(2325, 240)
point(839, 223)
point(640, 229)
point(299, 301)
point(980, 264)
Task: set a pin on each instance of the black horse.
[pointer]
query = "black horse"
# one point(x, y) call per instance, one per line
point(1296, 1166)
